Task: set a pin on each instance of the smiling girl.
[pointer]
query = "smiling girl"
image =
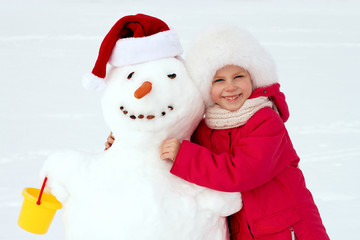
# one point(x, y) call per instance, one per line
point(242, 144)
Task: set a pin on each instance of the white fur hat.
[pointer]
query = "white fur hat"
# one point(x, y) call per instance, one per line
point(217, 48)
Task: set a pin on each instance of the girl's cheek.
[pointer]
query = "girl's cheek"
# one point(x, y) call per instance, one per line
point(213, 94)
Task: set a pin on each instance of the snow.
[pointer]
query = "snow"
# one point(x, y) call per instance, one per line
point(46, 47)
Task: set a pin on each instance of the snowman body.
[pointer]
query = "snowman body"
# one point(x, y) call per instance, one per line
point(127, 192)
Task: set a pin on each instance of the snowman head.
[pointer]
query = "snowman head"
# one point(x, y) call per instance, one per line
point(153, 97)
point(147, 89)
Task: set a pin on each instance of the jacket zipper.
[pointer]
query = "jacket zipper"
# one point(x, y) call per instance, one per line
point(292, 231)
point(229, 141)
point(211, 142)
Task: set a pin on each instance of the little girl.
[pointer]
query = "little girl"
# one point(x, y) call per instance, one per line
point(242, 144)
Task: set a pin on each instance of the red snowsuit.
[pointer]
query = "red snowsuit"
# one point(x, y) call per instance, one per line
point(258, 160)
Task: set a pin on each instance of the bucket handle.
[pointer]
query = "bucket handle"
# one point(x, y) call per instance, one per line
point(41, 191)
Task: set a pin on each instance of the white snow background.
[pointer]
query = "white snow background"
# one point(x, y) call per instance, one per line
point(46, 46)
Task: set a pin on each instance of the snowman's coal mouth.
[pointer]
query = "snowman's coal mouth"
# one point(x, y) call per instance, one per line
point(143, 116)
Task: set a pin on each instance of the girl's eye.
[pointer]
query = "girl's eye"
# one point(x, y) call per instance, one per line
point(172, 76)
point(218, 80)
point(239, 76)
point(130, 75)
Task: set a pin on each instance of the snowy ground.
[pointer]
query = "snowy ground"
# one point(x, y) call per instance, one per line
point(46, 46)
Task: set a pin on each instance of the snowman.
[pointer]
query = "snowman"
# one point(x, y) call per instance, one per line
point(127, 192)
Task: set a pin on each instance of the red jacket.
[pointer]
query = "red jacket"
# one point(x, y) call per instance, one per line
point(258, 160)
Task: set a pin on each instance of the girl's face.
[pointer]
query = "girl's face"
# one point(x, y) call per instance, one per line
point(231, 87)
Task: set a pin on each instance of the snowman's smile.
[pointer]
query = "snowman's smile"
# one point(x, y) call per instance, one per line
point(144, 116)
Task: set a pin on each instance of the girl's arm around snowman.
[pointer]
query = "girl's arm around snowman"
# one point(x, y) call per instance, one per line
point(261, 152)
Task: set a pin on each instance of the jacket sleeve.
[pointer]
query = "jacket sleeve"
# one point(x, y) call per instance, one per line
point(256, 159)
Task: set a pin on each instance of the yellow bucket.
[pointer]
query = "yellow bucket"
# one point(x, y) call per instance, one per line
point(36, 218)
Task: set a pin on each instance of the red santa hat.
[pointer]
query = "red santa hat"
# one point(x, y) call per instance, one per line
point(133, 39)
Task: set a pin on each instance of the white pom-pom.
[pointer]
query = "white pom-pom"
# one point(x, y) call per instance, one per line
point(92, 82)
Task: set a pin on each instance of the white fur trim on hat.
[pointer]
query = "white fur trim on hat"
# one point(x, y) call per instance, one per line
point(142, 49)
point(217, 48)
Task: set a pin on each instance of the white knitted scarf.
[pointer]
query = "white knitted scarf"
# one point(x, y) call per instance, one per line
point(217, 117)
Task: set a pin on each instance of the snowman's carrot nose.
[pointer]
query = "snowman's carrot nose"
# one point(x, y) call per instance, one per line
point(144, 89)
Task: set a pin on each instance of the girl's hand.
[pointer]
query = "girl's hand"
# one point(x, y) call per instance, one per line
point(169, 149)
point(109, 141)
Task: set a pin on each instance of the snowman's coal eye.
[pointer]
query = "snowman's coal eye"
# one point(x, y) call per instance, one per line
point(172, 76)
point(130, 75)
